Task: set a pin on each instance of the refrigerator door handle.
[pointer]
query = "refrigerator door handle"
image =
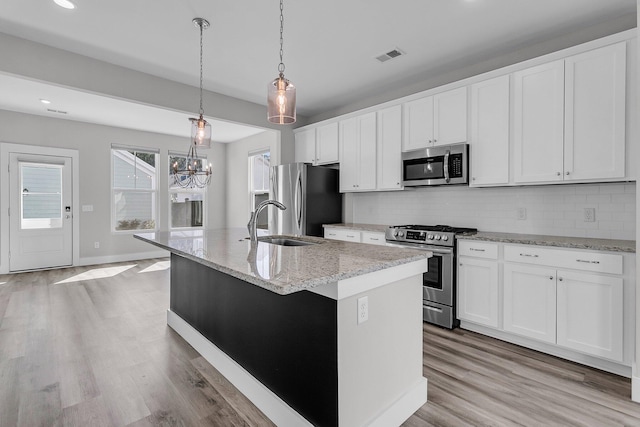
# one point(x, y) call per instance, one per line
point(297, 201)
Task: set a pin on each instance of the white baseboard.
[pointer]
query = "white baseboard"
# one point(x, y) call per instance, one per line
point(122, 258)
point(272, 406)
point(404, 407)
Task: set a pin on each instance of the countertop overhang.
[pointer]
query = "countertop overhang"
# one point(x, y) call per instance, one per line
point(281, 269)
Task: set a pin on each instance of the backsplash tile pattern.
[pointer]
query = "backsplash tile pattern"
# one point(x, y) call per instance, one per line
point(556, 210)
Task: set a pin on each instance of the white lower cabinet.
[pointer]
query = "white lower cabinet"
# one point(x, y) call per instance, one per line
point(590, 315)
point(572, 303)
point(529, 302)
point(357, 236)
point(478, 291)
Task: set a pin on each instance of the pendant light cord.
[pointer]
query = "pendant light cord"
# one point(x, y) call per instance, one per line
point(201, 109)
point(281, 65)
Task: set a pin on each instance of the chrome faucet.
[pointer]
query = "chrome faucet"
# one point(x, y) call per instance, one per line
point(251, 226)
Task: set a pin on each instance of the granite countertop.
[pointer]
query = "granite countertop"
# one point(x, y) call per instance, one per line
point(558, 241)
point(360, 227)
point(281, 269)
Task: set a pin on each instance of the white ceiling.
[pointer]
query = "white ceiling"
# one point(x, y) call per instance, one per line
point(329, 45)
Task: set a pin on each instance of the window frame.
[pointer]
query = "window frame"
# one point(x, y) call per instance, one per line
point(154, 191)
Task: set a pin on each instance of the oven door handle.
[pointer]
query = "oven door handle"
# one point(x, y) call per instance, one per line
point(442, 251)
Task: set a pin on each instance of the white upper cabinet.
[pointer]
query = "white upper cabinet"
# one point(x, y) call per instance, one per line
point(594, 144)
point(569, 118)
point(305, 150)
point(489, 143)
point(390, 148)
point(539, 123)
point(327, 144)
point(440, 119)
point(358, 153)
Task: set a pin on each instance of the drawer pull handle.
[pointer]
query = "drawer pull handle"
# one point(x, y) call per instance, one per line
point(374, 238)
point(587, 261)
point(529, 255)
point(350, 236)
point(437, 310)
point(476, 250)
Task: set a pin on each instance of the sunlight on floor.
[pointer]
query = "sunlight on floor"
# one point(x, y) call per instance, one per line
point(2, 283)
point(97, 273)
point(158, 266)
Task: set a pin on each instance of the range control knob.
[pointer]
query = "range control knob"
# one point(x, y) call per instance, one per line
point(437, 237)
point(445, 238)
point(395, 233)
point(402, 234)
point(430, 237)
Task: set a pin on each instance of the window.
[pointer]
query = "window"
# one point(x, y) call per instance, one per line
point(134, 188)
point(186, 205)
point(259, 163)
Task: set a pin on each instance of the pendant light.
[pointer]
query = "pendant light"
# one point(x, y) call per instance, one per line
point(193, 173)
point(281, 95)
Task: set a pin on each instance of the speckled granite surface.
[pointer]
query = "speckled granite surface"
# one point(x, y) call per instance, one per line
point(559, 241)
point(281, 269)
point(360, 227)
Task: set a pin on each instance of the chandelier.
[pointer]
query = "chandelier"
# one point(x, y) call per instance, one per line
point(192, 173)
point(281, 94)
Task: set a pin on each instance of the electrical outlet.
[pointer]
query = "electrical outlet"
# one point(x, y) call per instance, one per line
point(522, 213)
point(363, 309)
point(96, 245)
point(589, 214)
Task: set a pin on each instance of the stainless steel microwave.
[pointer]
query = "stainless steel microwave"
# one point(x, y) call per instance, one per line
point(443, 165)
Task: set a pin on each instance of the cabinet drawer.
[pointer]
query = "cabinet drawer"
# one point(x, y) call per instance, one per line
point(373, 238)
point(577, 260)
point(342, 234)
point(477, 249)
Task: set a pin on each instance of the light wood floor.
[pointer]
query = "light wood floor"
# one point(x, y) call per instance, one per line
point(90, 347)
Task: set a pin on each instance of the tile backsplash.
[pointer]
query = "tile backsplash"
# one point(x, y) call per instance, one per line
point(557, 210)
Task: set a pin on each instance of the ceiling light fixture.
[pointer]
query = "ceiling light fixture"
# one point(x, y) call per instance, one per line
point(45, 101)
point(65, 3)
point(192, 173)
point(281, 95)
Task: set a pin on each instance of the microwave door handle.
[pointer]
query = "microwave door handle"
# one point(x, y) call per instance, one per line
point(446, 167)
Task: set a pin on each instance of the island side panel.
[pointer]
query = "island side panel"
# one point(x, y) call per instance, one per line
point(287, 342)
point(381, 359)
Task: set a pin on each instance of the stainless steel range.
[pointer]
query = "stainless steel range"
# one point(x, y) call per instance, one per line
point(439, 283)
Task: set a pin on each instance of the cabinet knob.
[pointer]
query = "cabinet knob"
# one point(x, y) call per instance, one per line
point(568, 173)
point(550, 277)
point(558, 174)
point(560, 279)
point(473, 179)
point(430, 141)
point(435, 140)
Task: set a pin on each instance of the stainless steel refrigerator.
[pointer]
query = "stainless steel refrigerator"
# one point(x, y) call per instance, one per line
point(311, 196)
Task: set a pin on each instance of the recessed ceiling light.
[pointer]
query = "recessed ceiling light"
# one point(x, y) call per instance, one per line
point(45, 101)
point(65, 3)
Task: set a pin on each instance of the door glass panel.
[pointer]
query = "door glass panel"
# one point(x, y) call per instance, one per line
point(41, 198)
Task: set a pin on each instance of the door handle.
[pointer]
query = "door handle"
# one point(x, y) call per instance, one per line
point(446, 166)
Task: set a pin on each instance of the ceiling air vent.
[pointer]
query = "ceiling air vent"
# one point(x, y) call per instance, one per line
point(56, 111)
point(390, 55)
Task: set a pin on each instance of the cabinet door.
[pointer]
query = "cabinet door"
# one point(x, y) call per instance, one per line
point(590, 314)
point(530, 301)
point(306, 146)
point(327, 144)
point(450, 117)
point(367, 152)
point(349, 162)
point(417, 117)
point(344, 234)
point(594, 145)
point(478, 291)
point(373, 238)
point(390, 148)
point(490, 132)
point(539, 123)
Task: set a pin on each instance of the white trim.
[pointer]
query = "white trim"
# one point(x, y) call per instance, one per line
point(5, 150)
point(404, 407)
point(122, 257)
point(272, 406)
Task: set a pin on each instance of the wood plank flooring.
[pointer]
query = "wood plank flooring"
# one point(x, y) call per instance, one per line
point(89, 346)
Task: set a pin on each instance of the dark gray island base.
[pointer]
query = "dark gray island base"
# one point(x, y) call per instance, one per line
point(287, 342)
point(283, 324)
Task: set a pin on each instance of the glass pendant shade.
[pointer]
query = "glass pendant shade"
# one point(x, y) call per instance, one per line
point(281, 101)
point(200, 133)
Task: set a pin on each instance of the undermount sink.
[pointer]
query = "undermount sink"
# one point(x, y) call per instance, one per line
point(281, 241)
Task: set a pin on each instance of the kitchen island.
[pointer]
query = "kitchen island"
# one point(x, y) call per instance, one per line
point(326, 334)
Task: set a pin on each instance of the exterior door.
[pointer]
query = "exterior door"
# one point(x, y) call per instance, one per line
point(40, 234)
